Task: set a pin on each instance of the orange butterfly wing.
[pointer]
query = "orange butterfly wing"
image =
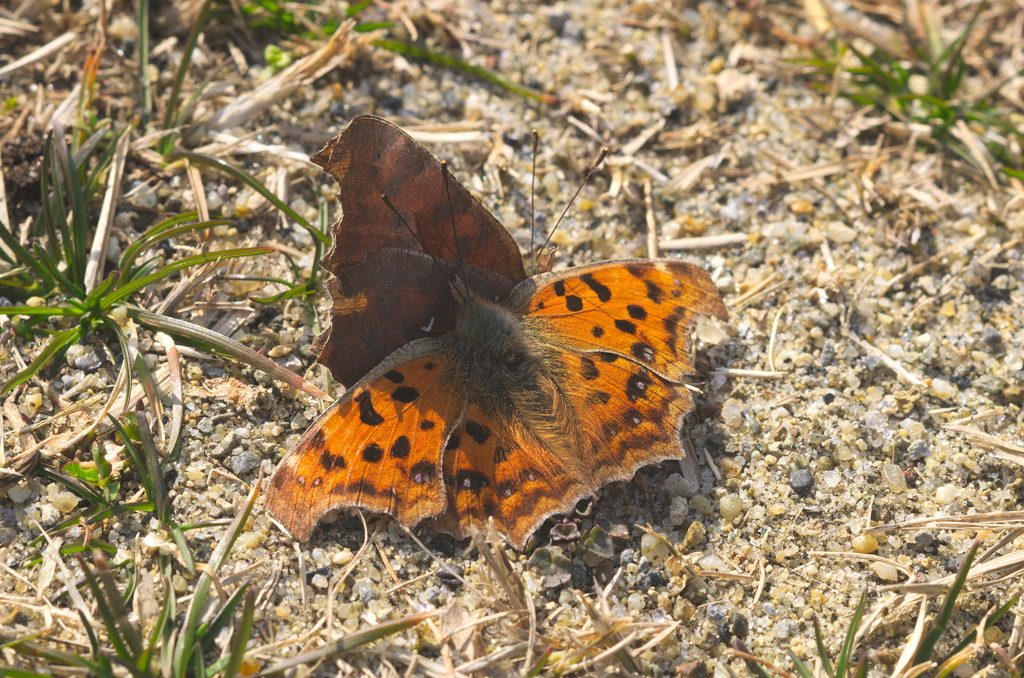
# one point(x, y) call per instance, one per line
point(641, 309)
point(612, 411)
point(378, 447)
point(499, 470)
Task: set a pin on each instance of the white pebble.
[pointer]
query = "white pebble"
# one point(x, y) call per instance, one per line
point(946, 494)
point(940, 388)
point(885, 571)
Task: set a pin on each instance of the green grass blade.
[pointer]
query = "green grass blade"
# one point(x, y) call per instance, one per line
point(167, 229)
point(801, 667)
point(250, 181)
point(223, 345)
point(186, 649)
point(23, 257)
point(931, 638)
point(57, 344)
point(846, 653)
point(145, 87)
point(243, 631)
point(221, 255)
point(39, 310)
point(111, 610)
point(223, 617)
point(409, 50)
point(145, 477)
point(75, 241)
point(166, 144)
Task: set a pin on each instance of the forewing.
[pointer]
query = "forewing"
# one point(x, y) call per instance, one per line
point(378, 447)
point(388, 262)
point(642, 310)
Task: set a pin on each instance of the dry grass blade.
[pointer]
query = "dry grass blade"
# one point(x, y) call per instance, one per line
point(1001, 448)
point(349, 642)
point(50, 48)
point(98, 253)
point(335, 51)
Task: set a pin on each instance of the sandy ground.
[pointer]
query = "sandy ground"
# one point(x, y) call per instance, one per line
point(870, 374)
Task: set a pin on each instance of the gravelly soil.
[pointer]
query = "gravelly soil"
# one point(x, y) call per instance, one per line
point(875, 302)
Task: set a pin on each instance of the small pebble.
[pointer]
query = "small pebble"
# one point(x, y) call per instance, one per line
point(991, 338)
point(450, 574)
point(945, 494)
point(918, 450)
point(695, 535)
point(730, 507)
point(678, 510)
point(244, 462)
point(654, 549)
point(865, 543)
point(893, 478)
point(19, 494)
point(942, 389)
point(801, 481)
point(885, 571)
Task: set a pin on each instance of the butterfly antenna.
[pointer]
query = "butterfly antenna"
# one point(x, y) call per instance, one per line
point(414, 234)
point(535, 142)
point(590, 173)
point(445, 174)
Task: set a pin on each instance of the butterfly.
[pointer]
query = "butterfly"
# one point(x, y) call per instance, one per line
point(488, 395)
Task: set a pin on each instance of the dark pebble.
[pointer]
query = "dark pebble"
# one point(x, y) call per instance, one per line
point(918, 450)
point(626, 557)
point(739, 625)
point(89, 362)
point(325, 571)
point(653, 580)
point(211, 371)
point(451, 575)
point(801, 481)
point(244, 462)
point(991, 338)
point(923, 540)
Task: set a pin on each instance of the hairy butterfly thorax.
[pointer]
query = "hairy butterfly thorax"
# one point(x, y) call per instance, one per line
point(478, 393)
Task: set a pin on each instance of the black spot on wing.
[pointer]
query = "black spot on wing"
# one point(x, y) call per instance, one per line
point(405, 394)
point(654, 293)
point(453, 442)
point(588, 369)
point(559, 288)
point(500, 454)
point(478, 431)
point(422, 472)
point(573, 303)
point(427, 425)
point(597, 331)
point(601, 290)
point(607, 357)
point(626, 326)
point(599, 397)
point(474, 481)
point(367, 414)
point(636, 386)
point(642, 351)
point(633, 417)
point(329, 461)
point(395, 376)
point(400, 448)
point(363, 488)
point(637, 312)
point(373, 453)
